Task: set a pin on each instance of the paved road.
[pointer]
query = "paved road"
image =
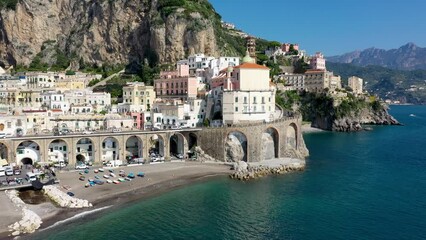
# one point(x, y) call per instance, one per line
point(103, 82)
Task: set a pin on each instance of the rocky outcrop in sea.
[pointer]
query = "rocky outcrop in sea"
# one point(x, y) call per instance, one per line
point(245, 171)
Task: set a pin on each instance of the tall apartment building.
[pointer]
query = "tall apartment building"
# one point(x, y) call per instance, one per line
point(356, 84)
point(137, 97)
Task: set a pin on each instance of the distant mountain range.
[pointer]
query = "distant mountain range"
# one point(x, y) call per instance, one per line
point(407, 57)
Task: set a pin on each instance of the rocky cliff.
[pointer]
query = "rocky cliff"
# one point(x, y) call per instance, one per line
point(109, 32)
point(354, 120)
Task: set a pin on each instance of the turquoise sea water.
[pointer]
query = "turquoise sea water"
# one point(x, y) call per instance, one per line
point(367, 185)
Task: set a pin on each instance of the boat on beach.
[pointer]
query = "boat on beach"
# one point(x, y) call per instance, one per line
point(112, 174)
point(121, 179)
point(96, 171)
point(109, 181)
point(141, 174)
point(131, 175)
point(127, 179)
point(116, 182)
point(82, 178)
point(101, 170)
point(106, 176)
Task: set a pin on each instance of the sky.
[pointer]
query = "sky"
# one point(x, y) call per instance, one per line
point(333, 27)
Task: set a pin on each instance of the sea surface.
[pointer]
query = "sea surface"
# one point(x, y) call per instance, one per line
point(366, 185)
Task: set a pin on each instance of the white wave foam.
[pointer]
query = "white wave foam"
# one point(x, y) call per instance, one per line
point(80, 215)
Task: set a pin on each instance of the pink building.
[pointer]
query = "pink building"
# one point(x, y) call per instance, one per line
point(318, 62)
point(176, 84)
point(138, 119)
point(286, 47)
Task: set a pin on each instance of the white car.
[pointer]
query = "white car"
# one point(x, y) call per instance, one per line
point(81, 166)
point(60, 165)
point(87, 132)
point(115, 130)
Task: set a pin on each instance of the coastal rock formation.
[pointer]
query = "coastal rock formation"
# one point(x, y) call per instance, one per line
point(30, 220)
point(63, 199)
point(353, 122)
point(202, 156)
point(268, 147)
point(113, 32)
point(234, 148)
point(253, 172)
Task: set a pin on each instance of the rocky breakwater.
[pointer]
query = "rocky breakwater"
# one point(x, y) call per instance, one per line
point(246, 171)
point(30, 220)
point(63, 199)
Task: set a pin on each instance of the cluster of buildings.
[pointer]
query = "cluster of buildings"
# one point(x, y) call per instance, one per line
point(317, 79)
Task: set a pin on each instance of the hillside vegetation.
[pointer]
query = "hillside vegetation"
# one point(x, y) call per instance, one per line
point(387, 83)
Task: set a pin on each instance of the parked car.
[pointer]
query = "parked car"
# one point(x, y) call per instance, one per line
point(81, 166)
point(60, 165)
point(115, 130)
point(2, 171)
point(17, 171)
point(30, 177)
point(9, 171)
point(179, 156)
point(87, 132)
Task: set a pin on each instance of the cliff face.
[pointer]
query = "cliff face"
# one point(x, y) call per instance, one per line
point(353, 121)
point(100, 31)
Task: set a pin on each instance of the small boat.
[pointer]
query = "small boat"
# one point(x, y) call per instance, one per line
point(116, 182)
point(127, 179)
point(106, 176)
point(87, 185)
point(86, 171)
point(412, 115)
point(109, 181)
point(121, 179)
point(96, 176)
point(82, 178)
point(70, 194)
point(101, 170)
point(141, 174)
point(111, 170)
point(112, 174)
point(96, 171)
point(91, 179)
point(80, 173)
point(131, 175)
point(91, 183)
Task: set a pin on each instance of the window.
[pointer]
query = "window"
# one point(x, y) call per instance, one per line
point(263, 100)
point(254, 100)
point(236, 99)
point(236, 109)
point(245, 100)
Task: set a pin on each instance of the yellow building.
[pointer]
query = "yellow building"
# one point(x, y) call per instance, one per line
point(139, 96)
point(68, 84)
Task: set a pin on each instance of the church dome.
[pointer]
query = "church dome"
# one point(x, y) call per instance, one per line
point(247, 58)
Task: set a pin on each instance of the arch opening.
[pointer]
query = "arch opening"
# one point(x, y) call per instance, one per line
point(177, 145)
point(270, 144)
point(58, 151)
point(236, 147)
point(4, 152)
point(291, 136)
point(156, 150)
point(134, 149)
point(28, 150)
point(84, 151)
point(110, 149)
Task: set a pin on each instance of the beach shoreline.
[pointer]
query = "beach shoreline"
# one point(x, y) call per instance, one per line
point(159, 179)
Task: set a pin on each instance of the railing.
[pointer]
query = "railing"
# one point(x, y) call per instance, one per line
point(294, 116)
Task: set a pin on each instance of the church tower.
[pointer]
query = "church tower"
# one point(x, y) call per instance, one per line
point(251, 47)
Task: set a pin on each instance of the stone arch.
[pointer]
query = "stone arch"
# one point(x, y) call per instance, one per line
point(134, 147)
point(4, 151)
point(28, 152)
point(192, 141)
point(58, 151)
point(178, 145)
point(270, 143)
point(110, 149)
point(85, 150)
point(291, 136)
point(236, 147)
point(156, 145)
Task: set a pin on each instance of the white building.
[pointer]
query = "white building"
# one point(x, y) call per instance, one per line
point(248, 94)
point(356, 84)
point(292, 81)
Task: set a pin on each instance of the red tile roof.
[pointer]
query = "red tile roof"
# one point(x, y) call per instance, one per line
point(251, 66)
